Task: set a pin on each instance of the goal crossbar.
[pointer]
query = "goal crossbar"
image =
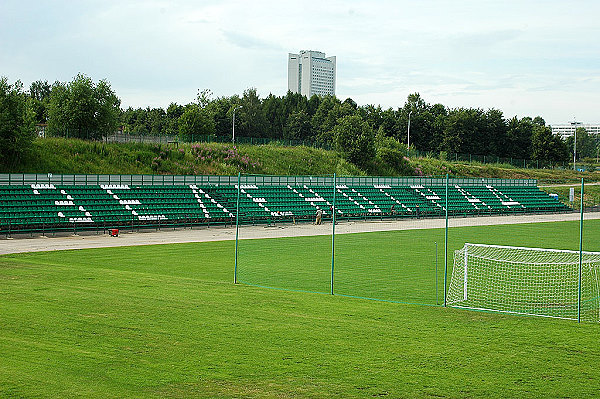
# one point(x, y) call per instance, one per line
point(531, 249)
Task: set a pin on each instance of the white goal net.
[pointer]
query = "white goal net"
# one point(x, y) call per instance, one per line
point(531, 281)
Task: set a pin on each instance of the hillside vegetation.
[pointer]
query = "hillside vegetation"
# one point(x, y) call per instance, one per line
point(73, 156)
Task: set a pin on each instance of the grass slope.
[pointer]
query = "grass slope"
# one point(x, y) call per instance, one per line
point(71, 156)
point(166, 321)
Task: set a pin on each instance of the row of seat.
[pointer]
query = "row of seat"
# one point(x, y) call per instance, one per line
point(24, 205)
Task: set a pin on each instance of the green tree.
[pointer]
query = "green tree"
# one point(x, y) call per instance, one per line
point(389, 123)
point(320, 121)
point(548, 149)
point(372, 114)
point(40, 90)
point(298, 126)
point(204, 97)
point(221, 111)
point(313, 104)
point(17, 124)
point(459, 128)
point(586, 145)
point(474, 131)
point(518, 143)
point(157, 121)
point(355, 139)
point(135, 121)
point(294, 102)
point(273, 108)
point(39, 96)
point(252, 118)
point(439, 113)
point(426, 123)
point(538, 120)
point(327, 117)
point(417, 108)
point(494, 133)
point(351, 103)
point(85, 109)
point(174, 112)
point(195, 121)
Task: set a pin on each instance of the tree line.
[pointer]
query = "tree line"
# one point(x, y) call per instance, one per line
point(87, 109)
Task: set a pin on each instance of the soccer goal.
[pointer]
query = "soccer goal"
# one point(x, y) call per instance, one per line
point(529, 281)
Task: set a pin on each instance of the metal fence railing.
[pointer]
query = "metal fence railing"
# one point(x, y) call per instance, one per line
point(17, 179)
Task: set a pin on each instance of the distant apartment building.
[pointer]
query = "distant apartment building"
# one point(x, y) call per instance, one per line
point(310, 72)
point(568, 129)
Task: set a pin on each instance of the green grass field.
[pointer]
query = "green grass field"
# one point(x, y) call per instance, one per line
point(166, 321)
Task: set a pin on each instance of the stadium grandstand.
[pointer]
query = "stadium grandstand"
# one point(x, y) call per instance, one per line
point(47, 203)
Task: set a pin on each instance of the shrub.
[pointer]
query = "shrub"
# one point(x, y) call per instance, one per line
point(391, 156)
point(354, 138)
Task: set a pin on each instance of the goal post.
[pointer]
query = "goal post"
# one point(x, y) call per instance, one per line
point(528, 281)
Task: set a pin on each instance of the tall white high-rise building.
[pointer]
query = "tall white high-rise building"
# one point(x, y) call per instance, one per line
point(310, 72)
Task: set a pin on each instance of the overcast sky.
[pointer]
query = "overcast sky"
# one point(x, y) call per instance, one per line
point(524, 57)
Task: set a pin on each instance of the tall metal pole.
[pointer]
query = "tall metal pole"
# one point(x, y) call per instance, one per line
point(446, 244)
point(237, 228)
point(436, 274)
point(580, 254)
point(333, 233)
point(574, 144)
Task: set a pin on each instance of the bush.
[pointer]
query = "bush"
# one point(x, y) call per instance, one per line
point(391, 157)
point(354, 138)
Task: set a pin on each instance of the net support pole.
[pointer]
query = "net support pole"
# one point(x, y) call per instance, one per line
point(465, 273)
point(333, 210)
point(436, 274)
point(580, 254)
point(446, 246)
point(237, 227)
